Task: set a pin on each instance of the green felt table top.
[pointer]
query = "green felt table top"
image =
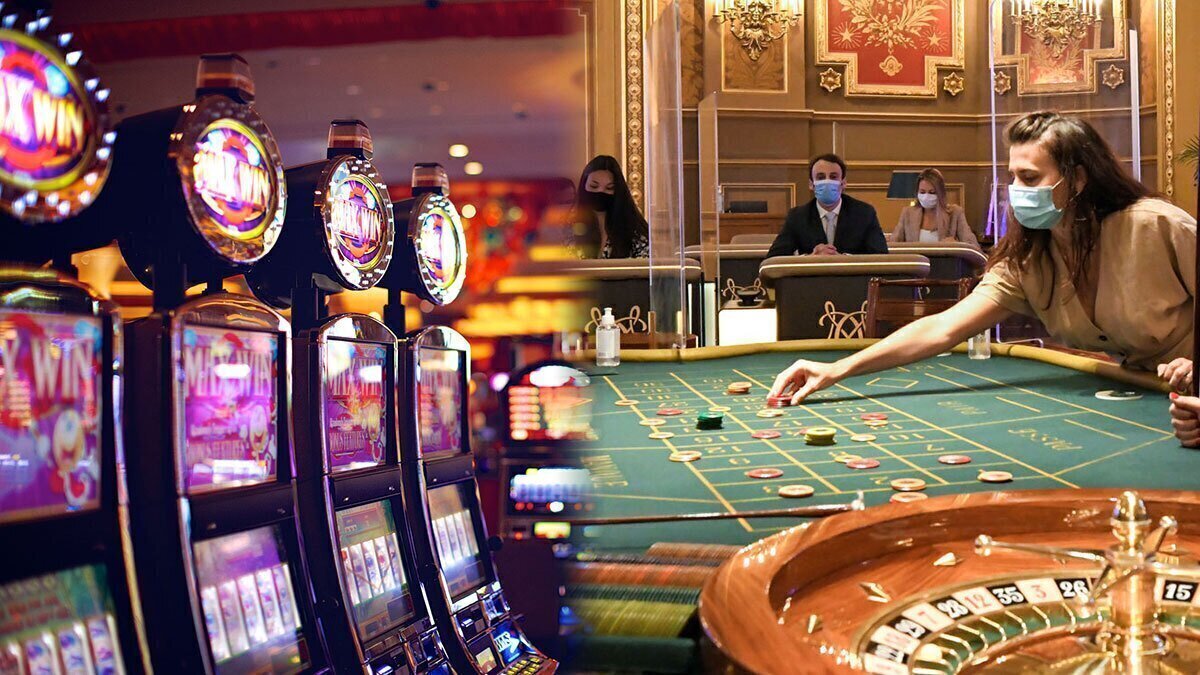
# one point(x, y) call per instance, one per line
point(1041, 422)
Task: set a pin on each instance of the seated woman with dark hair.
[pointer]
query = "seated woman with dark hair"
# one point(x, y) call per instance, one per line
point(605, 222)
point(932, 219)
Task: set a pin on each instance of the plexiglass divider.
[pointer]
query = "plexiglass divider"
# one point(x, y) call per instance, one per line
point(711, 204)
point(669, 316)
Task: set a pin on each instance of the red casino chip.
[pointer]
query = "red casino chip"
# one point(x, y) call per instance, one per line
point(863, 463)
point(763, 474)
point(669, 412)
point(873, 416)
point(782, 401)
point(954, 459)
point(766, 435)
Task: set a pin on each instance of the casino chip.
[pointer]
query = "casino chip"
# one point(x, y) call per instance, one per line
point(763, 474)
point(626, 402)
point(995, 476)
point(710, 420)
point(685, 456)
point(766, 434)
point(954, 459)
point(863, 463)
point(906, 497)
point(738, 388)
point(908, 484)
point(719, 408)
point(652, 422)
point(875, 424)
point(873, 416)
point(796, 491)
point(669, 412)
point(769, 413)
point(862, 438)
point(662, 435)
point(1114, 395)
point(782, 401)
point(820, 436)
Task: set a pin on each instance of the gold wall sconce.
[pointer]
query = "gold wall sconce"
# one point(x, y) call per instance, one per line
point(757, 23)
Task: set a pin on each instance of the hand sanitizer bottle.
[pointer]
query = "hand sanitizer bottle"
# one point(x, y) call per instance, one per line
point(608, 341)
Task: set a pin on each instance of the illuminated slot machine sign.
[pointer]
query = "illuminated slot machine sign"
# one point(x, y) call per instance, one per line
point(59, 622)
point(354, 404)
point(435, 248)
point(548, 491)
point(358, 223)
point(230, 417)
point(50, 414)
point(55, 139)
point(548, 404)
point(248, 598)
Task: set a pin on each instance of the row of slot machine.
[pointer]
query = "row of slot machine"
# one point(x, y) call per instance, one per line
point(213, 488)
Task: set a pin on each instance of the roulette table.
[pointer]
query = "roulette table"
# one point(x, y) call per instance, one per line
point(1027, 411)
point(1031, 419)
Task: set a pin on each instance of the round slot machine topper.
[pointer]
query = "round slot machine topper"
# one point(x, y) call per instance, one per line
point(215, 171)
point(55, 132)
point(344, 238)
point(435, 248)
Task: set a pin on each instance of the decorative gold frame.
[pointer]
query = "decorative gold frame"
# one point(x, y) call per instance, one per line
point(956, 60)
point(1090, 84)
point(635, 129)
point(1167, 143)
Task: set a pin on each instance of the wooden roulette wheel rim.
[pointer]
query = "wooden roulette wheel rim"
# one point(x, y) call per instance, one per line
point(809, 599)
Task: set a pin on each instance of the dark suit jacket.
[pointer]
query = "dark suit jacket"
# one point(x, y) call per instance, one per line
point(858, 230)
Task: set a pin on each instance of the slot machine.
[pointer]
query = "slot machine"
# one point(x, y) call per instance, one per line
point(548, 408)
point(199, 195)
point(67, 585)
point(339, 236)
point(453, 552)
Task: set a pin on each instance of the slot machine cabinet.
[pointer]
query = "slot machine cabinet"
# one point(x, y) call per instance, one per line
point(454, 553)
point(67, 584)
point(370, 604)
point(548, 409)
point(208, 416)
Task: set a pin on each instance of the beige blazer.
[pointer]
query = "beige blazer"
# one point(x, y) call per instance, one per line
point(952, 224)
point(1145, 293)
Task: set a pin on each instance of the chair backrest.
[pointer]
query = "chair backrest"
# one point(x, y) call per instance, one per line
point(751, 238)
point(916, 302)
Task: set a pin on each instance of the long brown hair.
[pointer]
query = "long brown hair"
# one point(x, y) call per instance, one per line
point(623, 222)
point(1073, 144)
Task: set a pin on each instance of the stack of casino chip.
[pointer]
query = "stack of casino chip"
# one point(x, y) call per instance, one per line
point(710, 420)
point(738, 388)
point(820, 435)
point(781, 401)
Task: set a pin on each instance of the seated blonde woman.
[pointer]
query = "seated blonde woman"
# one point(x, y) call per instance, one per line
point(932, 219)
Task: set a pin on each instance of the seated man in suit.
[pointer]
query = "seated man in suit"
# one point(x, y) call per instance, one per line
point(832, 222)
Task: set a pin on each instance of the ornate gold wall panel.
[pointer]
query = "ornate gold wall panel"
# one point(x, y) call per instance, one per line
point(1053, 68)
point(741, 73)
point(635, 130)
point(890, 48)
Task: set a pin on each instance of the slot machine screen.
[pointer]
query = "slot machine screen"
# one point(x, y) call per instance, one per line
point(355, 403)
point(550, 403)
point(248, 597)
point(60, 622)
point(547, 490)
point(375, 581)
point(457, 539)
point(50, 414)
point(229, 416)
point(507, 642)
point(441, 377)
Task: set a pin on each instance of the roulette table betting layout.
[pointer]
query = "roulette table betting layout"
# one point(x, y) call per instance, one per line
point(1029, 412)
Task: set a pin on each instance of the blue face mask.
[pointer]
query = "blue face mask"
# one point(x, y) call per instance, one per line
point(1034, 206)
point(828, 191)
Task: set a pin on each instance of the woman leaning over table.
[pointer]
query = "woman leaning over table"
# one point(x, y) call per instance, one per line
point(1090, 252)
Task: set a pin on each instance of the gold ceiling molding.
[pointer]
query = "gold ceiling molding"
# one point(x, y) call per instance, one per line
point(888, 29)
point(1002, 16)
point(635, 131)
point(857, 116)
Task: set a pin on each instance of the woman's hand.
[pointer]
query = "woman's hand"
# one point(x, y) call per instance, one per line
point(803, 378)
point(1185, 417)
point(1178, 373)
